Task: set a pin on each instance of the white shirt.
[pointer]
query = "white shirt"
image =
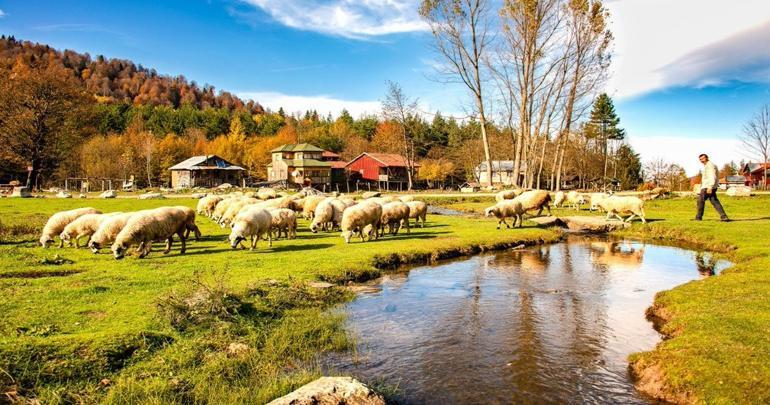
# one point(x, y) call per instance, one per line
point(708, 175)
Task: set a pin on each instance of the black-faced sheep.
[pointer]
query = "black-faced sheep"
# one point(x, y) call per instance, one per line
point(57, 222)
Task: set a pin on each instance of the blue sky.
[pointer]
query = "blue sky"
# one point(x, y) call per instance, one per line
point(687, 73)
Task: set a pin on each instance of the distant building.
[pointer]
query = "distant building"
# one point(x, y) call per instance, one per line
point(205, 171)
point(754, 174)
point(731, 181)
point(388, 170)
point(337, 166)
point(502, 172)
point(301, 164)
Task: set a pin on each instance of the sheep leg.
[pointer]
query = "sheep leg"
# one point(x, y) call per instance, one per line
point(77, 242)
point(169, 241)
point(642, 216)
point(630, 218)
point(521, 219)
point(184, 243)
point(140, 247)
point(270, 239)
point(145, 250)
point(253, 242)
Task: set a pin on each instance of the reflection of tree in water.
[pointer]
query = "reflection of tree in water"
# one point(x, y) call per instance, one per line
point(536, 260)
point(706, 263)
point(612, 254)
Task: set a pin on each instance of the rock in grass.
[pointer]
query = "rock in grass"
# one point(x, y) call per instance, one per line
point(332, 391)
point(109, 194)
point(371, 194)
point(739, 191)
point(63, 194)
point(151, 196)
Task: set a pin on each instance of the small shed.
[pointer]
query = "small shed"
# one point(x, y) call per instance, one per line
point(386, 169)
point(205, 171)
point(502, 172)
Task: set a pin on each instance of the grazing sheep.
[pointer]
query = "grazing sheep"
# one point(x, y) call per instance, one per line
point(507, 209)
point(84, 225)
point(57, 222)
point(234, 209)
point(349, 202)
point(362, 218)
point(535, 200)
point(207, 204)
point(251, 224)
point(418, 210)
point(508, 194)
point(222, 207)
point(616, 205)
point(157, 224)
point(393, 213)
point(108, 230)
point(381, 200)
point(595, 198)
point(406, 198)
point(575, 200)
point(310, 204)
point(558, 198)
point(324, 213)
point(266, 194)
point(284, 220)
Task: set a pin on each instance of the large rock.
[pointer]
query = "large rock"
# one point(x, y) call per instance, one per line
point(332, 391)
point(198, 196)
point(151, 196)
point(109, 194)
point(739, 191)
point(225, 186)
point(63, 194)
point(589, 224)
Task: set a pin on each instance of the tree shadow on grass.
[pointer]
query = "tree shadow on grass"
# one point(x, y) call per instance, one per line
point(298, 248)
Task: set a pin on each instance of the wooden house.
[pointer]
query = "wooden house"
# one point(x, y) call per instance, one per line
point(388, 170)
point(205, 171)
point(754, 173)
point(300, 164)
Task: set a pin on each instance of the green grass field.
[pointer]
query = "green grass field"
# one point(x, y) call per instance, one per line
point(215, 324)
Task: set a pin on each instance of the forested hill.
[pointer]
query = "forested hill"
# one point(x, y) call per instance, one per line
point(121, 80)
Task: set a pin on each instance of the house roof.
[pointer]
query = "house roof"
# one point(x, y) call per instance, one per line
point(755, 167)
point(338, 164)
point(328, 154)
point(300, 147)
point(387, 159)
point(306, 163)
point(198, 163)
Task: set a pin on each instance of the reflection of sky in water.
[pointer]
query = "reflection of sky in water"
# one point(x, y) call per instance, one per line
point(547, 324)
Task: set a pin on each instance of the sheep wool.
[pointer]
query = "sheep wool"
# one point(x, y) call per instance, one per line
point(616, 205)
point(108, 230)
point(84, 225)
point(157, 224)
point(535, 200)
point(419, 211)
point(362, 218)
point(57, 222)
point(251, 224)
point(506, 209)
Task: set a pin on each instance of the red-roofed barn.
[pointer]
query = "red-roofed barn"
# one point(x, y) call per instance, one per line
point(388, 170)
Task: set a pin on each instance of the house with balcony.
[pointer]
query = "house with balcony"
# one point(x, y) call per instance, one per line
point(299, 164)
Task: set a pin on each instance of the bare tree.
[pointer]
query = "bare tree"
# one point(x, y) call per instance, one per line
point(588, 59)
point(756, 139)
point(461, 32)
point(398, 108)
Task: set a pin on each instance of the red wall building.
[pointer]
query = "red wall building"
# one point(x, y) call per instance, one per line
point(387, 169)
point(754, 174)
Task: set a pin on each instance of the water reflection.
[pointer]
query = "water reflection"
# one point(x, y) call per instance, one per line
point(548, 324)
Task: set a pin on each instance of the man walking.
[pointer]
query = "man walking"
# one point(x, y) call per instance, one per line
point(708, 189)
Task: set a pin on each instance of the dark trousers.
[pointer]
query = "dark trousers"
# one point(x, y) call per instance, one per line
point(702, 197)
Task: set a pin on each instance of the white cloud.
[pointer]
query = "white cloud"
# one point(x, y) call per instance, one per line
point(2, 14)
point(324, 104)
point(358, 19)
point(684, 151)
point(662, 43)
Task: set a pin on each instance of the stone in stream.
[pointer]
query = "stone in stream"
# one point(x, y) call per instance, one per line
point(582, 223)
point(331, 391)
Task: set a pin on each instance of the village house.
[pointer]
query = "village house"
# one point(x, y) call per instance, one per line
point(754, 173)
point(337, 166)
point(387, 170)
point(206, 171)
point(302, 164)
point(502, 172)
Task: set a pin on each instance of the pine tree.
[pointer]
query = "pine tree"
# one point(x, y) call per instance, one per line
point(604, 126)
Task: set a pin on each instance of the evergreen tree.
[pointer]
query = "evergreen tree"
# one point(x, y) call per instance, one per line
point(629, 167)
point(604, 125)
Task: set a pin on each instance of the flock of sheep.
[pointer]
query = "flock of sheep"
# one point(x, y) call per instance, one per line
point(250, 216)
point(515, 203)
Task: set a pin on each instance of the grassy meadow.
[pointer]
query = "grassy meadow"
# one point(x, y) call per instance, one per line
point(212, 325)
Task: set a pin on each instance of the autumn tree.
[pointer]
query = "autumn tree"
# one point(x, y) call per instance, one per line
point(43, 116)
point(462, 38)
point(399, 109)
point(756, 138)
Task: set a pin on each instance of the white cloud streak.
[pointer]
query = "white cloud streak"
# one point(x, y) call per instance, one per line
point(357, 19)
point(324, 104)
point(2, 13)
point(664, 43)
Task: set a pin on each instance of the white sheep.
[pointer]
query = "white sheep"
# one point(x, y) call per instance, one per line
point(595, 198)
point(616, 205)
point(234, 209)
point(266, 194)
point(406, 198)
point(507, 209)
point(558, 198)
point(251, 224)
point(575, 200)
point(393, 213)
point(285, 220)
point(84, 225)
point(57, 222)
point(535, 200)
point(361, 218)
point(108, 230)
point(310, 204)
point(418, 210)
point(207, 204)
point(155, 225)
point(222, 206)
point(324, 213)
point(382, 200)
